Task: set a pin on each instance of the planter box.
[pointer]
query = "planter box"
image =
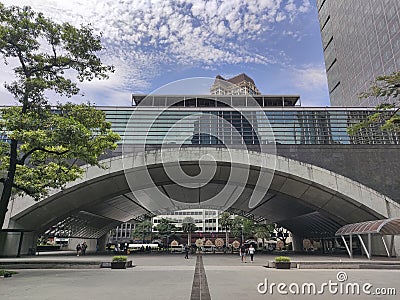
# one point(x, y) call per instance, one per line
point(121, 264)
point(282, 265)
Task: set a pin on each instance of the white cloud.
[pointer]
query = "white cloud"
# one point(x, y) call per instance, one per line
point(142, 36)
point(293, 10)
point(280, 17)
point(310, 78)
point(312, 85)
point(305, 7)
point(294, 34)
point(144, 22)
point(7, 76)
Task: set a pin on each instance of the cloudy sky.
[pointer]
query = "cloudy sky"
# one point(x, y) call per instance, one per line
point(154, 42)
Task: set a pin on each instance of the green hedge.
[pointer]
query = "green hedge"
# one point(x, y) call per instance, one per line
point(2, 272)
point(120, 258)
point(282, 259)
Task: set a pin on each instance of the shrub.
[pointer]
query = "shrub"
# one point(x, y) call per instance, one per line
point(120, 258)
point(4, 272)
point(282, 259)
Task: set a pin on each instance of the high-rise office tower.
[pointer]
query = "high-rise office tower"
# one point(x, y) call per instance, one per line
point(361, 40)
point(238, 85)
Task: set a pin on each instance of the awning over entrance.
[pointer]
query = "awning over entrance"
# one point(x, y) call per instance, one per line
point(384, 227)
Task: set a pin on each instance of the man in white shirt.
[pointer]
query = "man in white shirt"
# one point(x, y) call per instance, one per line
point(251, 252)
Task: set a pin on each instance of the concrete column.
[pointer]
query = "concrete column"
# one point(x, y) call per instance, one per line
point(10, 242)
point(297, 242)
point(323, 246)
point(102, 242)
point(396, 250)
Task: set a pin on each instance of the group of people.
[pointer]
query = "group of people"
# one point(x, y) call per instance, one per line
point(81, 249)
point(243, 251)
point(145, 249)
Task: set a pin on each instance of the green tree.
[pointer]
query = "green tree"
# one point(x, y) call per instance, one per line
point(225, 221)
point(248, 228)
point(42, 144)
point(242, 228)
point(387, 115)
point(387, 86)
point(236, 228)
point(166, 228)
point(142, 229)
point(43, 240)
point(188, 226)
point(281, 233)
point(263, 231)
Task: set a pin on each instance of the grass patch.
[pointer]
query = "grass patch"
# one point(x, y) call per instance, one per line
point(282, 259)
point(120, 258)
point(3, 272)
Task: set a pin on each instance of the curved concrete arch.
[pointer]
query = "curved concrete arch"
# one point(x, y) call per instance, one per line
point(300, 195)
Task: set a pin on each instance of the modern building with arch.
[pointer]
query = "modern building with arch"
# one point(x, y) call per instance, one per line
point(262, 157)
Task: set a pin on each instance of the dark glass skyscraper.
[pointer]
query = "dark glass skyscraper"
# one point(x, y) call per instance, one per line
point(361, 40)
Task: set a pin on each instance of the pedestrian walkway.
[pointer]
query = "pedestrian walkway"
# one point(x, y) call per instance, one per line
point(90, 261)
point(200, 289)
point(170, 276)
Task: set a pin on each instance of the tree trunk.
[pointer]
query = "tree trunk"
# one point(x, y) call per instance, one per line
point(189, 238)
point(8, 182)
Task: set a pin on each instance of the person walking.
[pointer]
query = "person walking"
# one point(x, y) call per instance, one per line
point(251, 252)
point(186, 251)
point(84, 247)
point(242, 253)
point(78, 249)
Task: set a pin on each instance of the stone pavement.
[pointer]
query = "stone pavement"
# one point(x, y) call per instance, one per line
point(170, 276)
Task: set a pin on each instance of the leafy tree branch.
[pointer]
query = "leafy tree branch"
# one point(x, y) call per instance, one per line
point(387, 116)
point(43, 143)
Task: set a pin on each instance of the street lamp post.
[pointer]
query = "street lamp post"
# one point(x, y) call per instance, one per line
point(242, 234)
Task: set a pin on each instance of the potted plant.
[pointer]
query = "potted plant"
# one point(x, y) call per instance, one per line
point(282, 262)
point(120, 262)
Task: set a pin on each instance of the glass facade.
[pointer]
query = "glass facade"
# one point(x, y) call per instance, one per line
point(214, 126)
point(205, 220)
point(361, 40)
point(122, 233)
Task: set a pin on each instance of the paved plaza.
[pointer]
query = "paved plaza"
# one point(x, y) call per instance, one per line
point(173, 277)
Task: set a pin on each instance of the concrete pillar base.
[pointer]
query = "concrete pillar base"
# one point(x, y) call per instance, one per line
point(10, 243)
point(102, 242)
point(297, 242)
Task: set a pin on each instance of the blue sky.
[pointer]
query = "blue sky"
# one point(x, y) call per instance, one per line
point(154, 42)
